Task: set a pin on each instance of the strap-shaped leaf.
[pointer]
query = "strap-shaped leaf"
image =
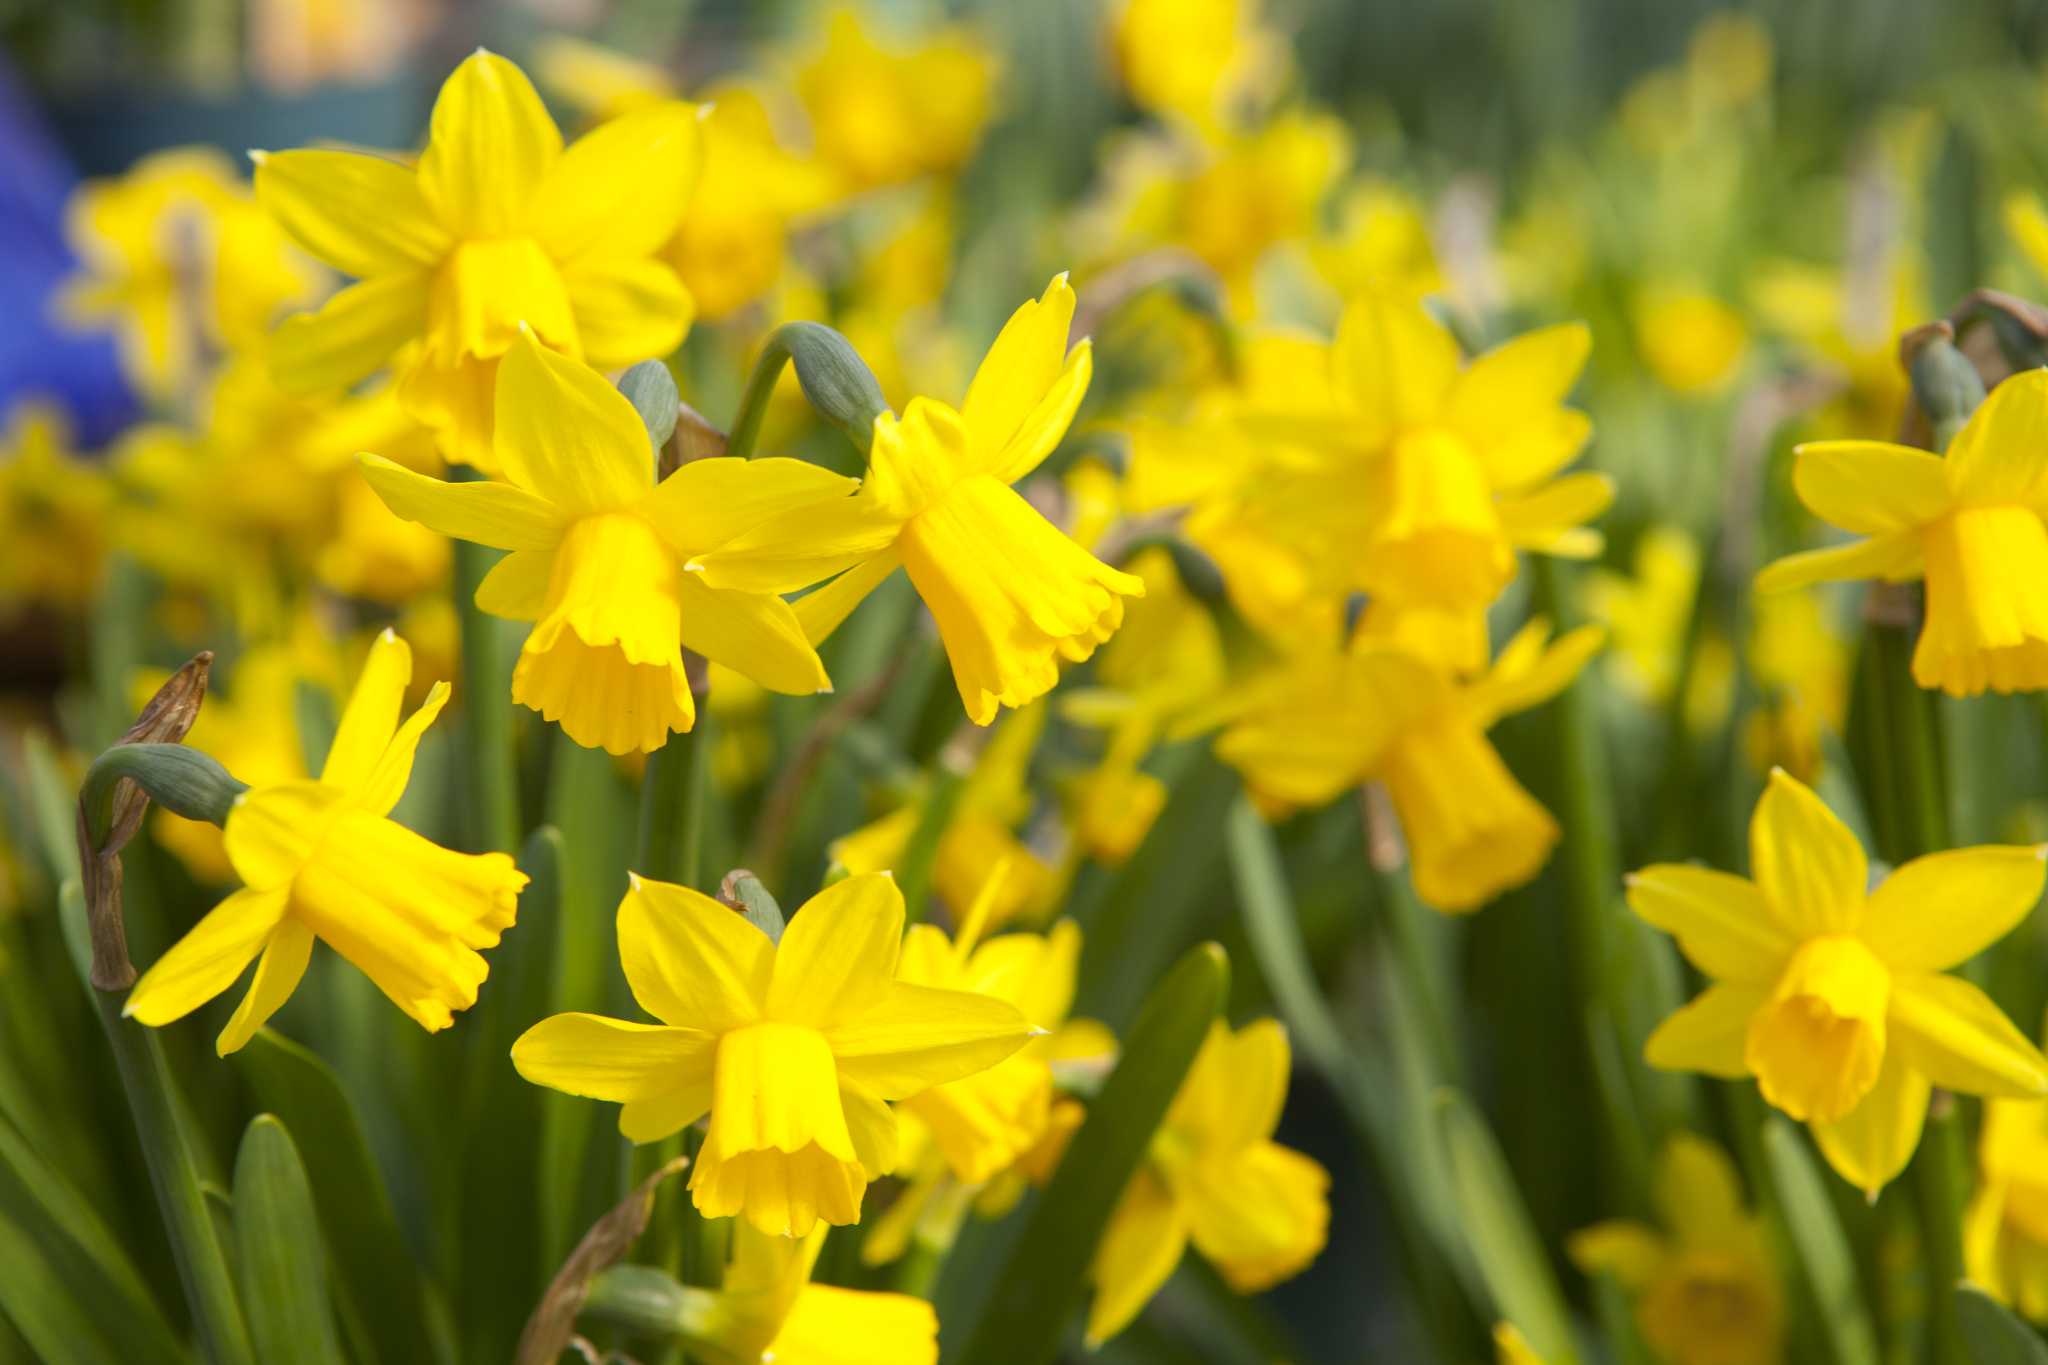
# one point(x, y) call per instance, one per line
point(279, 1257)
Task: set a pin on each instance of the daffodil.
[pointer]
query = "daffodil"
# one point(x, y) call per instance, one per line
point(1194, 60)
point(1800, 659)
point(2005, 1228)
point(1968, 522)
point(179, 262)
point(1706, 1288)
point(1647, 615)
point(1012, 595)
point(883, 115)
point(1321, 724)
point(1692, 342)
point(1254, 1209)
point(1835, 997)
point(596, 553)
point(792, 1048)
point(322, 858)
point(767, 1309)
point(496, 226)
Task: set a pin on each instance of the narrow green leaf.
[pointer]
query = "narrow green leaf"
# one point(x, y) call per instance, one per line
point(374, 1267)
point(1992, 1335)
point(1508, 1253)
point(283, 1268)
point(1030, 1300)
point(1817, 1240)
point(65, 1282)
point(490, 777)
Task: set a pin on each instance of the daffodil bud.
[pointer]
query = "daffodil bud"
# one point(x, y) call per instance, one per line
point(189, 782)
point(646, 1302)
point(743, 891)
point(1946, 384)
point(836, 382)
point(652, 391)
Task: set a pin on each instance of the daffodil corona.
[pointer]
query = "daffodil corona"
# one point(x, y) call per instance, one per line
point(323, 859)
point(1835, 997)
point(793, 1048)
point(1011, 593)
point(596, 552)
point(496, 226)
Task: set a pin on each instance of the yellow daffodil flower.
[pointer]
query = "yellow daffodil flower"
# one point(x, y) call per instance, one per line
point(1648, 615)
point(1692, 342)
point(1323, 724)
point(596, 548)
point(1706, 1289)
point(1255, 1210)
point(53, 515)
point(767, 1309)
point(495, 227)
point(1800, 659)
point(882, 116)
point(1194, 60)
point(1381, 241)
point(1834, 996)
point(792, 1048)
point(177, 259)
point(1970, 523)
point(1011, 594)
point(323, 859)
point(2005, 1228)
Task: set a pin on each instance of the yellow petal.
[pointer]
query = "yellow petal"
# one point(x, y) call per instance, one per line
point(1393, 361)
point(494, 514)
point(1720, 920)
point(690, 961)
point(1808, 865)
point(821, 612)
point(802, 546)
point(490, 146)
point(755, 634)
point(1631, 1252)
point(620, 189)
point(706, 503)
point(1137, 1254)
point(371, 716)
point(278, 971)
point(1233, 1093)
point(1956, 1036)
point(1940, 910)
point(387, 781)
point(1998, 456)
point(872, 1125)
point(1516, 684)
point(1698, 1194)
point(838, 955)
point(1876, 1140)
point(351, 336)
point(1517, 384)
point(361, 214)
point(1708, 1033)
point(612, 1059)
point(1870, 487)
point(272, 831)
point(914, 1037)
point(1537, 449)
point(774, 1088)
point(627, 309)
point(833, 1326)
point(1893, 558)
point(207, 960)
point(1538, 518)
point(565, 434)
point(1261, 1216)
point(516, 588)
point(1026, 389)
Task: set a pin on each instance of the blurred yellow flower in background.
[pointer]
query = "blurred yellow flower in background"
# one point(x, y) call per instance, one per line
point(1835, 997)
point(1647, 616)
point(1706, 1287)
point(53, 515)
point(1692, 342)
point(883, 115)
point(2005, 1228)
point(496, 227)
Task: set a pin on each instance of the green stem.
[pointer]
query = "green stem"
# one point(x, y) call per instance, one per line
point(673, 792)
point(836, 381)
point(493, 790)
point(167, 1153)
point(920, 859)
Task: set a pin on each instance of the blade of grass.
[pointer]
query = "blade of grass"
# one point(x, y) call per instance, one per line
point(282, 1267)
point(1821, 1249)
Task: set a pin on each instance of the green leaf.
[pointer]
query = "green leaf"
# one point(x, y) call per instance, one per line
point(65, 1282)
point(1817, 1240)
point(1512, 1266)
point(283, 1268)
point(1030, 1300)
point(374, 1267)
point(167, 1152)
point(1992, 1334)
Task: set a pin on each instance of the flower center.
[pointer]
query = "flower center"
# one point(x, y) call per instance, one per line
point(1817, 1046)
point(1439, 538)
